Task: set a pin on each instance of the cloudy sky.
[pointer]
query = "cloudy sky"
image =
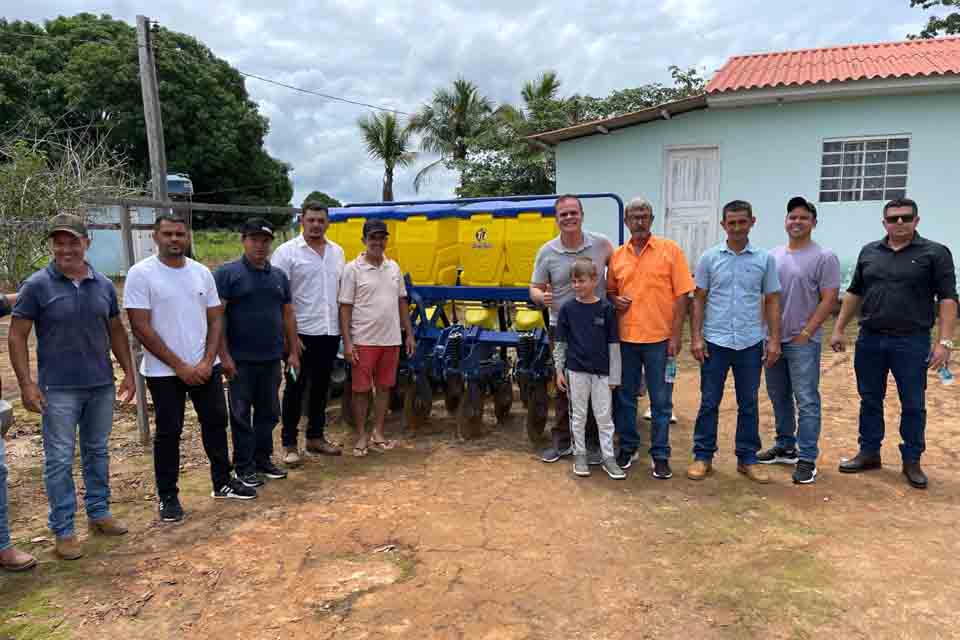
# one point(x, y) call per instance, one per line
point(396, 53)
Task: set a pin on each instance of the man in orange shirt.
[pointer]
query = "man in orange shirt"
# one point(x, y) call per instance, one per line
point(648, 281)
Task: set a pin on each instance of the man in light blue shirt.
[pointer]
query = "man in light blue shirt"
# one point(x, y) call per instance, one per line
point(737, 287)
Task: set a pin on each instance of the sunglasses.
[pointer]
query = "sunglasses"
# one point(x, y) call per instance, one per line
point(906, 218)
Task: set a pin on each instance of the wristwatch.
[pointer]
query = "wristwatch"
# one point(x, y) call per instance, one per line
point(948, 344)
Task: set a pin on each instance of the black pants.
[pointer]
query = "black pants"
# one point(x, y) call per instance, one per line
point(254, 412)
point(169, 395)
point(316, 363)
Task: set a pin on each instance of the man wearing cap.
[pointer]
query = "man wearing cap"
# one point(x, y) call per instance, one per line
point(649, 283)
point(551, 287)
point(260, 327)
point(313, 263)
point(176, 314)
point(75, 314)
point(809, 282)
point(11, 558)
point(373, 309)
point(902, 286)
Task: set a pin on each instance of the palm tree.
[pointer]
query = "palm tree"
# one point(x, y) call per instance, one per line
point(446, 125)
point(386, 140)
point(535, 94)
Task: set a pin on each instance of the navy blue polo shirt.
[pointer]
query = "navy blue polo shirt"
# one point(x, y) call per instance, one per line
point(255, 299)
point(72, 322)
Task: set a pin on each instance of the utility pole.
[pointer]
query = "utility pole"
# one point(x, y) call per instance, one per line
point(158, 179)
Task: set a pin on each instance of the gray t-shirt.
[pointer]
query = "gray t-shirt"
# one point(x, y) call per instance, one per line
point(803, 274)
point(553, 263)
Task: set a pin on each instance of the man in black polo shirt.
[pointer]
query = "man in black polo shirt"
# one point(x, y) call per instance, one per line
point(260, 327)
point(899, 282)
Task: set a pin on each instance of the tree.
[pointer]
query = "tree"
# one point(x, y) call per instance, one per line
point(323, 198)
point(454, 118)
point(386, 140)
point(74, 71)
point(504, 162)
point(46, 174)
point(947, 25)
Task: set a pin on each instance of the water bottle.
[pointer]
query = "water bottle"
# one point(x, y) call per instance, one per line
point(946, 378)
point(670, 372)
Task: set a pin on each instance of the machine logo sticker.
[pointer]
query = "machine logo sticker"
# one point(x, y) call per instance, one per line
point(481, 239)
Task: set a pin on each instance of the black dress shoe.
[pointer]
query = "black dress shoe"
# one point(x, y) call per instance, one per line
point(861, 462)
point(915, 475)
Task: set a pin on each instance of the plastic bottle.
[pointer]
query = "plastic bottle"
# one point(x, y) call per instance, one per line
point(946, 378)
point(670, 371)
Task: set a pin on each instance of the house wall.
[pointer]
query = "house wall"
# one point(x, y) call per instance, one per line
point(772, 152)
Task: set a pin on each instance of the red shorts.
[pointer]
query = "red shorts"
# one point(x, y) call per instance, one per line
point(377, 366)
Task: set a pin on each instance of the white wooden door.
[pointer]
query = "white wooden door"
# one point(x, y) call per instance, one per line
point(692, 192)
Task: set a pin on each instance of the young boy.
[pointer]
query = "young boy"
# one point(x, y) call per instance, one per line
point(587, 359)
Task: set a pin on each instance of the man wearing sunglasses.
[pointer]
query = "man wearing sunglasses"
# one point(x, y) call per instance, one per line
point(898, 285)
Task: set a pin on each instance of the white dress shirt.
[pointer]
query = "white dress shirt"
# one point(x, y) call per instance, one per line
point(314, 284)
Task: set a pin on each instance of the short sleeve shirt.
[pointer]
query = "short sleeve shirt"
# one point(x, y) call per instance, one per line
point(553, 262)
point(587, 329)
point(178, 299)
point(736, 284)
point(803, 274)
point(72, 323)
point(900, 289)
point(374, 292)
point(254, 312)
point(653, 280)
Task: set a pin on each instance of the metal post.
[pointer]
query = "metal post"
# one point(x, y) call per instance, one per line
point(136, 350)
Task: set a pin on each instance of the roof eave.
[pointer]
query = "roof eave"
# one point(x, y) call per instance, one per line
point(605, 126)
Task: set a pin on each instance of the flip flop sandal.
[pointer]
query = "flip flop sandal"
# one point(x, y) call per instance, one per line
point(29, 564)
point(386, 445)
point(359, 452)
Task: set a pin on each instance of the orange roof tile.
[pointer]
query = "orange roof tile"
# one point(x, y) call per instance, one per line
point(908, 58)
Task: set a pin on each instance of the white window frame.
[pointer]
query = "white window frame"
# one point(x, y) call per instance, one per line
point(857, 177)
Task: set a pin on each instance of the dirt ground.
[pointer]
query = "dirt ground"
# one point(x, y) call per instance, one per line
point(442, 539)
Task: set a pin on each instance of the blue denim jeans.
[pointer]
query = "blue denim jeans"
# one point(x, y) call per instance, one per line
point(905, 357)
point(254, 412)
point(4, 525)
point(746, 365)
point(793, 384)
point(639, 361)
point(92, 410)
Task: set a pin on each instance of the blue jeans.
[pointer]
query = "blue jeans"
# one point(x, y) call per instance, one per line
point(254, 412)
point(906, 357)
point(639, 361)
point(4, 525)
point(793, 384)
point(746, 364)
point(92, 410)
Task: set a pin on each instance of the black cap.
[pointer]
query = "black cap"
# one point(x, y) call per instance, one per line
point(256, 225)
point(68, 222)
point(800, 201)
point(374, 225)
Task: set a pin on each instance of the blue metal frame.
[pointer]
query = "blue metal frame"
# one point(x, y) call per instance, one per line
point(582, 196)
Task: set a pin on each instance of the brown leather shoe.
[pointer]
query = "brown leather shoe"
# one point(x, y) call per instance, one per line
point(68, 548)
point(108, 526)
point(755, 472)
point(699, 470)
point(322, 447)
point(12, 559)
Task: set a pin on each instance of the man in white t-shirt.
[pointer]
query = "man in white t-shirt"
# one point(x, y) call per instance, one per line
point(176, 314)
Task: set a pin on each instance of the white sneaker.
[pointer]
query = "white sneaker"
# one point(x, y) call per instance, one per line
point(649, 416)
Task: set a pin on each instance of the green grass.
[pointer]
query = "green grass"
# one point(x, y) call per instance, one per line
point(216, 247)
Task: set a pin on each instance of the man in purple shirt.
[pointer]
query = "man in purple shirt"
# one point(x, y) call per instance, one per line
point(810, 280)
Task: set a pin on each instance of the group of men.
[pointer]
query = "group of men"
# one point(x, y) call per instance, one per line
point(756, 310)
point(252, 321)
point(263, 317)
